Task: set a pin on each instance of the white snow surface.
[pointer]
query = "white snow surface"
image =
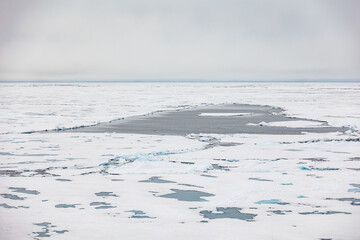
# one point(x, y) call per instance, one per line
point(290, 124)
point(39, 106)
point(67, 185)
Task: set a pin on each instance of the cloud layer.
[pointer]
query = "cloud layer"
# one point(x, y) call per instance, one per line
point(179, 40)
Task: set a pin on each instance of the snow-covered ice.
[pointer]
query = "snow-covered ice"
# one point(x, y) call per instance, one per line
point(69, 185)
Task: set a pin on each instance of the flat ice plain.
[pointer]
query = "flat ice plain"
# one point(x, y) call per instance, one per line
point(84, 184)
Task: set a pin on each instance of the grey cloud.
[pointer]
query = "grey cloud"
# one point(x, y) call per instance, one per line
point(198, 39)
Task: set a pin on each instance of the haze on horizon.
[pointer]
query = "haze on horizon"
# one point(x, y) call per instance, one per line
point(179, 40)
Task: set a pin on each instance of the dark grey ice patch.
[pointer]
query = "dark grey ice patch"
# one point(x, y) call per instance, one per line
point(156, 180)
point(63, 180)
point(189, 185)
point(188, 195)
point(106, 194)
point(353, 159)
point(117, 180)
point(354, 201)
point(187, 121)
point(323, 213)
point(229, 212)
point(261, 179)
point(12, 196)
point(66, 205)
point(24, 190)
point(4, 205)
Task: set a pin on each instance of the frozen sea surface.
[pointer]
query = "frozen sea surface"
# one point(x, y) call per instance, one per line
point(88, 185)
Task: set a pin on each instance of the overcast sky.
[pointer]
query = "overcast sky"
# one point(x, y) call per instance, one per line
point(179, 39)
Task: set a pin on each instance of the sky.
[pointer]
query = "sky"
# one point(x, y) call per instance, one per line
point(179, 40)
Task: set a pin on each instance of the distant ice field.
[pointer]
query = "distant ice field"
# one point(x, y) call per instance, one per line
point(137, 185)
point(39, 106)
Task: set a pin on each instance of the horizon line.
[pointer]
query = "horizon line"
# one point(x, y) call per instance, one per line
point(180, 81)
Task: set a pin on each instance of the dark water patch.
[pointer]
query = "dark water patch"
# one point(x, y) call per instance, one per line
point(318, 169)
point(316, 159)
point(261, 179)
point(24, 190)
point(156, 180)
point(138, 214)
point(98, 203)
point(354, 201)
point(106, 194)
point(229, 212)
point(356, 189)
point(6, 154)
point(287, 184)
point(88, 173)
point(313, 175)
point(226, 160)
point(206, 175)
point(221, 167)
point(10, 173)
point(61, 231)
point(105, 207)
point(355, 169)
point(66, 205)
point(353, 159)
point(43, 234)
point(280, 212)
point(188, 195)
point(117, 180)
point(301, 196)
point(43, 224)
point(63, 180)
point(189, 185)
point(12, 196)
point(102, 205)
point(272, 201)
point(47, 229)
point(188, 163)
point(323, 213)
point(4, 205)
point(293, 150)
